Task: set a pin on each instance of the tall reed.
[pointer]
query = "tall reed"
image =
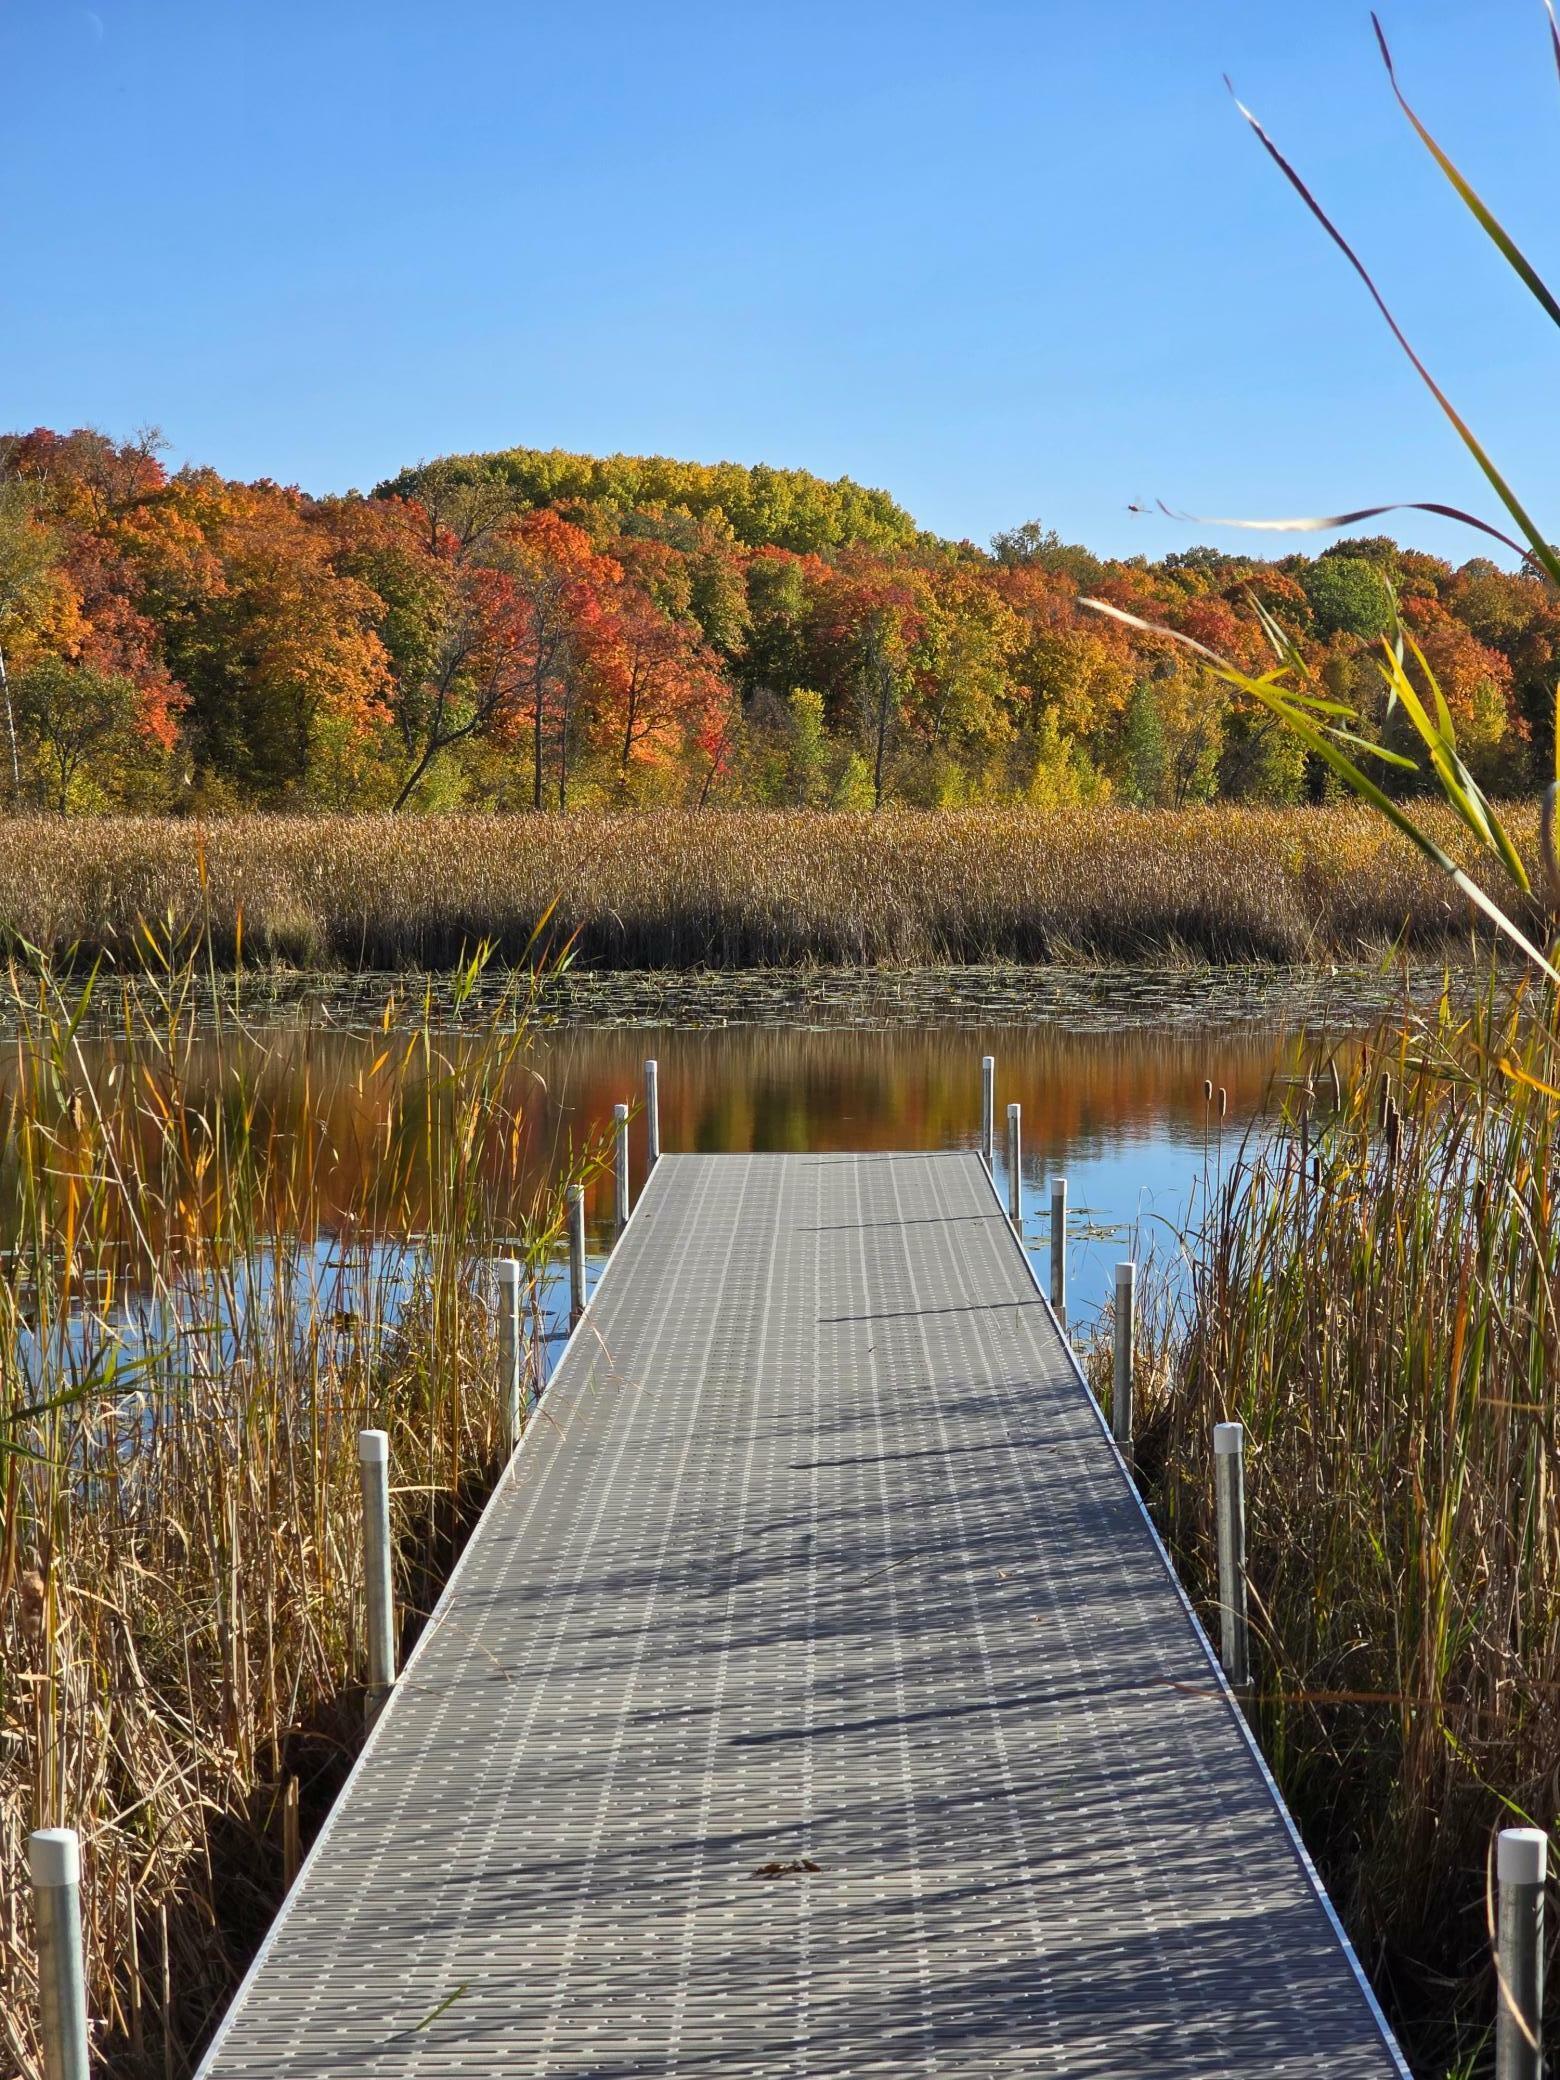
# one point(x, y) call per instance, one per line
point(1375, 1297)
point(213, 1280)
point(737, 888)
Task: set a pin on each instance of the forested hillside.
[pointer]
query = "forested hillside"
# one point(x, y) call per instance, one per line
point(535, 628)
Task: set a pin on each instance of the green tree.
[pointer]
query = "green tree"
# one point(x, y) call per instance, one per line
point(1348, 596)
point(80, 736)
point(1144, 755)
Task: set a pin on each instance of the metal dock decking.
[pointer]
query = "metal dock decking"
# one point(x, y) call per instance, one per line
point(817, 1554)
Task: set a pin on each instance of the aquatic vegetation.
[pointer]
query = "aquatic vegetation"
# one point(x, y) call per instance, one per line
point(739, 888)
point(1376, 1297)
point(214, 1278)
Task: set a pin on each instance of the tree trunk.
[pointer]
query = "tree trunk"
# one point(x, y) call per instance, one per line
point(413, 777)
point(10, 724)
point(884, 682)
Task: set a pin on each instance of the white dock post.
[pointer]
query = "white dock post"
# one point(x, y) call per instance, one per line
point(620, 1135)
point(1229, 1472)
point(54, 1856)
point(1521, 1865)
point(576, 1252)
point(1015, 1168)
point(1125, 1341)
point(988, 1109)
point(374, 1471)
point(1059, 1248)
point(653, 1111)
point(507, 1272)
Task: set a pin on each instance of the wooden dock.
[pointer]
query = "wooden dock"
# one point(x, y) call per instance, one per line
point(814, 1698)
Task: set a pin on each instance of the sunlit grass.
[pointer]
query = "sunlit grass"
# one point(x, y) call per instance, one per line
point(739, 889)
point(213, 1280)
point(1375, 1297)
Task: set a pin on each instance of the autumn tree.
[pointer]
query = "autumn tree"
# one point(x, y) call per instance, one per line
point(658, 684)
point(866, 621)
point(969, 641)
point(30, 595)
point(274, 646)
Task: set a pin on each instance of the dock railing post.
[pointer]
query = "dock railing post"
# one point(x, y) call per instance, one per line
point(1125, 1342)
point(576, 1252)
point(507, 1273)
point(653, 1111)
point(988, 1109)
point(379, 1600)
point(1059, 1248)
point(1015, 1167)
point(54, 1856)
point(620, 1136)
point(1229, 1472)
point(1521, 1865)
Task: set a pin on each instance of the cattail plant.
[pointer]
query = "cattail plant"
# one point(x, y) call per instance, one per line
point(741, 888)
point(214, 1278)
point(1375, 1297)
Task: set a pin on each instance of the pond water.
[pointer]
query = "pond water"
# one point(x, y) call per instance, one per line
point(1111, 1069)
point(1120, 1114)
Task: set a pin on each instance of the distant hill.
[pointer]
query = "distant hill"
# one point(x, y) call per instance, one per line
point(790, 508)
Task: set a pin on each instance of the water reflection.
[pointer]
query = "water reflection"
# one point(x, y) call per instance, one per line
point(1121, 1113)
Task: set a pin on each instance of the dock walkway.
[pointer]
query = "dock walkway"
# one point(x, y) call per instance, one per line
point(813, 1699)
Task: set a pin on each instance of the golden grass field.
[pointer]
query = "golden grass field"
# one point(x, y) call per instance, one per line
point(735, 889)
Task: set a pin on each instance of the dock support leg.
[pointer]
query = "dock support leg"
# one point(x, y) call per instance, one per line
point(620, 1136)
point(1125, 1344)
point(653, 1111)
point(576, 1252)
point(1521, 1863)
point(988, 1109)
point(379, 1600)
point(1015, 1167)
point(507, 1272)
point(1059, 1248)
point(54, 1855)
point(1229, 1465)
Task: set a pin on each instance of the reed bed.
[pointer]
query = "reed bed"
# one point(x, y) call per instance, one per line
point(736, 889)
point(1374, 1295)
point(213, 1280)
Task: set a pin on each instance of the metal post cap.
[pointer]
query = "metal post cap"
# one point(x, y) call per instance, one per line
point(1521, 1856)
point(1126, 1273)
point(1014, 1111)
point(54, 1855)
point(620, 1112)
point(374, 1447)
point(1228, 1438)
point(508, 1270)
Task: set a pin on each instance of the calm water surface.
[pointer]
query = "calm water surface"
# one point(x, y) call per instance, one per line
point(1110, 1068)
point(1120, 1114)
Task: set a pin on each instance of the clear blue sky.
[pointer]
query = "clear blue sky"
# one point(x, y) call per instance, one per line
point(1007, 260)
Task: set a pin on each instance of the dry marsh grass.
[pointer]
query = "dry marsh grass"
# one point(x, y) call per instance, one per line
point(1376, 1296)
point(212, 1282)
point(733, 889)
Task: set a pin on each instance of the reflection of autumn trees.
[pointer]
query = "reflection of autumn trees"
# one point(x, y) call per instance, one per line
point(337, 1102)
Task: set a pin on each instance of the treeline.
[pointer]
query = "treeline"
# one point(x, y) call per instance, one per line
point(536, 629)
